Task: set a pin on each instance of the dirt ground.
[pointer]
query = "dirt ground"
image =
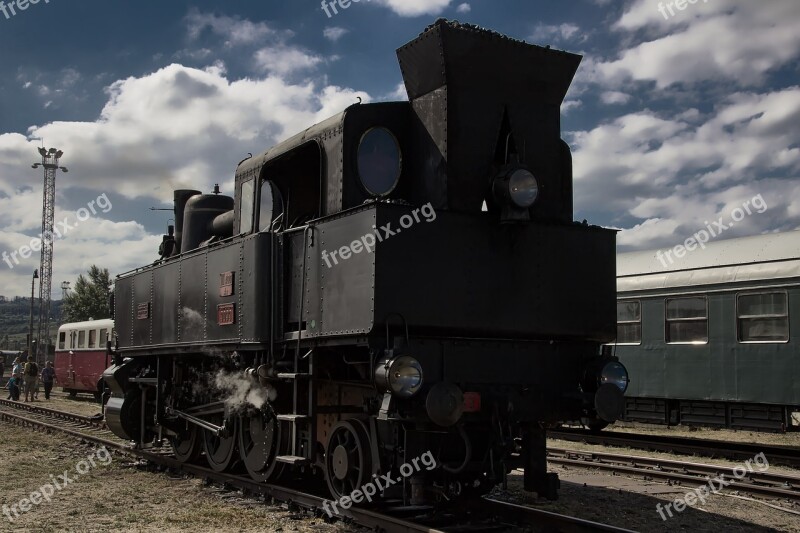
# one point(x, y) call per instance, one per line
point(118, 495)
point(122, 497)
point(791, 438)
point(631, 504)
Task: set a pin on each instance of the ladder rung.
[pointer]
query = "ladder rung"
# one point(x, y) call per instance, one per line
point(292, 418)
point(293, 375)
point(291, 459)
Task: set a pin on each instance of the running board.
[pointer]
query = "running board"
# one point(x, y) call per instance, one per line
point(294, 460)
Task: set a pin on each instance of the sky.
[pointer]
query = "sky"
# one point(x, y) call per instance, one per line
point(683, 116)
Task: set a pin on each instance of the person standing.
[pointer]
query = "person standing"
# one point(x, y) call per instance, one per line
point(31, 376)
point(13, 389)
point(16, 368)
point(48, 376)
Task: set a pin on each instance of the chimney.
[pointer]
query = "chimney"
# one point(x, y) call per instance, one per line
point(480, 96)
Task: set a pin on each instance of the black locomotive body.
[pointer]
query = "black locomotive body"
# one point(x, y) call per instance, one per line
point(401, 280)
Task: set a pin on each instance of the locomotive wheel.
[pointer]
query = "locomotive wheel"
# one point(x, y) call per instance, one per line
point(219, 450)
point(186, 445)
point(348, 462)
point(261, 439)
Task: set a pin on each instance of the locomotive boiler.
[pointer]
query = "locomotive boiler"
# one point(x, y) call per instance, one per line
point(401, 280)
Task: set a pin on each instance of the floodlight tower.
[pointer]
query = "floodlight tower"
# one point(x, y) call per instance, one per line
point(50, 160)
point(64, 293)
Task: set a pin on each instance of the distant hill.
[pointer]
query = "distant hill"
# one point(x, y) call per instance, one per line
point(15, 320)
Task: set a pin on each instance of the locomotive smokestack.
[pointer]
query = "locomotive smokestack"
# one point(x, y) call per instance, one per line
point(481, 97)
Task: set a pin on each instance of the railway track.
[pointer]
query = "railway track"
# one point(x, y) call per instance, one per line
point(738, 451)
point(484, 515)
point(741, 478)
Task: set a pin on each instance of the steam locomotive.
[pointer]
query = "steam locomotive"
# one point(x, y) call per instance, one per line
point(401, 280)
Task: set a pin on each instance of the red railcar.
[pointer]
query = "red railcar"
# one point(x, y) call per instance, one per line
point(81, 356)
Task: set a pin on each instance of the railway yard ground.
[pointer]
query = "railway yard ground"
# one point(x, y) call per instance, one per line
point(125, 495)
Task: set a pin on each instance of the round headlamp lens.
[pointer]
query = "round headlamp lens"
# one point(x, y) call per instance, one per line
point(616, 374)
point(405, 376)
point(523, 188)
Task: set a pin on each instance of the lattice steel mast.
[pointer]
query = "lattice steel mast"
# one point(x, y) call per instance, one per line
point(50, 160)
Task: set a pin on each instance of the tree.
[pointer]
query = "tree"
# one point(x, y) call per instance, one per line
point(89, 299)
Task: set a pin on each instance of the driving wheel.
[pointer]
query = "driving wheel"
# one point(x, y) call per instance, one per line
point(348, 462)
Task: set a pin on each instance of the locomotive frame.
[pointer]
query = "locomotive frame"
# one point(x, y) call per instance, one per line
point(455, 338)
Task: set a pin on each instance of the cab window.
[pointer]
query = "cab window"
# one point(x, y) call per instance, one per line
point(270, 205)
point(62, 337)
point(247, 199)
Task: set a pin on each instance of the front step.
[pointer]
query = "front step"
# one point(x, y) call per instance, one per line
point(293, 375)
point(292, 418)
point(294, 460)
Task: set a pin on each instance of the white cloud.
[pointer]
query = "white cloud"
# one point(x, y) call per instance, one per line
point(234, 31)
point(283, 60)
point(178, 127)
point(463, 8)
point(334, 33)
point(739, 42)
point(415, 8)
point(614, 97)
point(569, 105)
point(664, 176)
point(543, 33)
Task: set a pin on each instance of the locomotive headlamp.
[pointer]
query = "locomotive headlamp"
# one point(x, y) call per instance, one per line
point(614, 373)
point(515, 190)
point(402, 376)
point(523, 189)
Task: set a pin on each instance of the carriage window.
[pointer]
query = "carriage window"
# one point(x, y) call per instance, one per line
point(62, 339)
point(762, 317)
point(246, 207)
point(81, 339)
point(687, 320)
point(629, 322)
point(93, 338)
point(103, 338)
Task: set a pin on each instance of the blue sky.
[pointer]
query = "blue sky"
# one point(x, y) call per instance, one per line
point(675, 119)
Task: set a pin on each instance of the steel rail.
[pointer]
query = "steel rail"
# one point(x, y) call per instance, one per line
point(63, 415)
point(704, 447)
point(698, 474)
point(365, 517)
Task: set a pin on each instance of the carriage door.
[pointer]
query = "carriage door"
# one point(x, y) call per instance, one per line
point(73, 356)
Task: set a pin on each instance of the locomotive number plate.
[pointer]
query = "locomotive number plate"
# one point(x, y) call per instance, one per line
point(143, 311)
point(226, 284)
point(226, 314)
point(472, 402)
